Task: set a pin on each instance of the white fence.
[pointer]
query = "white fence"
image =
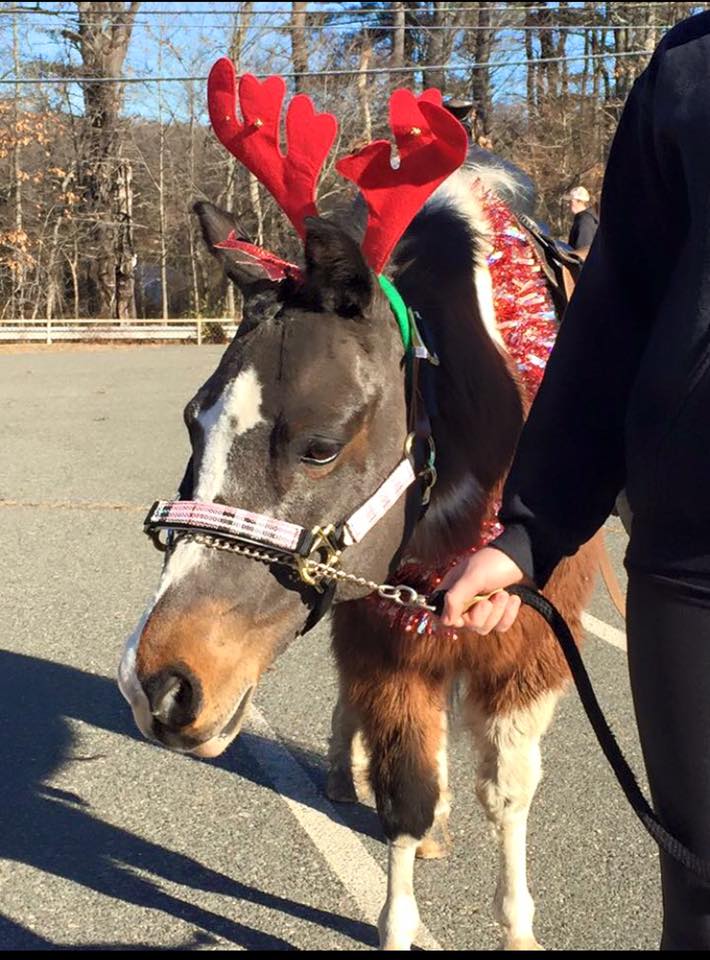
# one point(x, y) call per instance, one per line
point(49, 331)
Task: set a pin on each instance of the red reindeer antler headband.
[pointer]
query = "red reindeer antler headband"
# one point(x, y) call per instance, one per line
point(431, 144)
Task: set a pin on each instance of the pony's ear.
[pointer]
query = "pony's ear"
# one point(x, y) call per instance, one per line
point(260, 291)
point(336, 271)
point(217, 226)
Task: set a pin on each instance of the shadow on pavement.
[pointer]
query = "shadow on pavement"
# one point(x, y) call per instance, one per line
point(54, 831)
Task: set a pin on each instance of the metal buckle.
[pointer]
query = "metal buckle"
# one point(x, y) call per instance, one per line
point(323, 550)
point(154, 534)
point(420, 349)
point(430, 471)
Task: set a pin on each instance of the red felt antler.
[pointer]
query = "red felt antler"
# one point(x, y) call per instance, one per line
point(254, 140)
point(431, 144)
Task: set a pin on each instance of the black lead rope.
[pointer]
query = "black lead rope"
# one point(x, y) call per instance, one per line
point(623, 772)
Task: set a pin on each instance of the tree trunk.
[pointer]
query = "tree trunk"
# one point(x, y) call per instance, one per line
point(436, 47)
point(164, 296)
point(125, 251)
point(18, 281)
point(398, 34)
point(363, 89)
point(242, 19)
point(531, 77)
point(102, 37)
point(481, 82)
point(299, 45)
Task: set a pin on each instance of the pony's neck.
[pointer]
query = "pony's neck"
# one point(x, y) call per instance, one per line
point(478, 412)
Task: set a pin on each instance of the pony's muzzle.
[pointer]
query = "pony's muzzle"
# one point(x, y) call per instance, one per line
point(174, 697)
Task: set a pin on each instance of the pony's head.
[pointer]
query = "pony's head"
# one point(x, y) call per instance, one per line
point(302, 422)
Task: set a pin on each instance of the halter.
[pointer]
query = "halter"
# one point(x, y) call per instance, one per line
point(314, 554)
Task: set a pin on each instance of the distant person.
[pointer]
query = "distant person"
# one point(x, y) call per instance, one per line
point(585, 222)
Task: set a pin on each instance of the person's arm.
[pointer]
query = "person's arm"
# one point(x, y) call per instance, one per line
point(570, 462)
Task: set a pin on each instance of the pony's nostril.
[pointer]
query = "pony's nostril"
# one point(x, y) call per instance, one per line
point(174, 697)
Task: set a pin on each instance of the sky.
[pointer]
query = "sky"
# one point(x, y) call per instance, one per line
point(176, 39)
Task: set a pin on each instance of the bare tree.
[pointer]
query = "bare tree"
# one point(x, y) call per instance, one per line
point(102, 35)
point(398, 34)
point(299, 45)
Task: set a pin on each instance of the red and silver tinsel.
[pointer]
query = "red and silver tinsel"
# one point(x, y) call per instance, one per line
point(526, 319)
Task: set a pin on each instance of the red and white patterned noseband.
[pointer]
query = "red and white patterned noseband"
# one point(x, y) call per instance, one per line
point(244, 526)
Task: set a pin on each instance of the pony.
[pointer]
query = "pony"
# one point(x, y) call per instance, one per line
point(308, 415)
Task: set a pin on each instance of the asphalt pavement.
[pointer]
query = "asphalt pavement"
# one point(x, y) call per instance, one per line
point(108, 841)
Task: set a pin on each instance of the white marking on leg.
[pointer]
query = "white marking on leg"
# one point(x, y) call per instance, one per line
point(509, 772)
point(437, 842)
point(443, 805)
point(399, 920)
point(343, 852)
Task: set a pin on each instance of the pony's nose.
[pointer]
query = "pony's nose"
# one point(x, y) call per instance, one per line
point(174, 697)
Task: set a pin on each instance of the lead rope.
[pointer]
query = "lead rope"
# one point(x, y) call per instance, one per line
point(407, 596)
point(612, 751)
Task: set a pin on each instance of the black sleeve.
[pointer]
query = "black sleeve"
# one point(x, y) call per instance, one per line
point(574, 232)
point(570, 463)
point(587, 227)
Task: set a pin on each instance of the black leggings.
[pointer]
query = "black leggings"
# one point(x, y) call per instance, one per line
point(668, 626)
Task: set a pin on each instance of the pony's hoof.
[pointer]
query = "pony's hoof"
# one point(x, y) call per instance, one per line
point(430, 849)
point(340, 788)
point(522, 943)
point(437, 844)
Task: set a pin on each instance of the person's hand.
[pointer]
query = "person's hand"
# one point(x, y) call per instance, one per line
point(486, 571)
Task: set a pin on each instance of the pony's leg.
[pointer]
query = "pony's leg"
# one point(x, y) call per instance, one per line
point(509, 771)
point(437, 844)
point(348, 758)
point(402, 721)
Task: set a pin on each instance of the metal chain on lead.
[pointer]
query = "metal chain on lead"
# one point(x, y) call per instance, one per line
point(401, 594)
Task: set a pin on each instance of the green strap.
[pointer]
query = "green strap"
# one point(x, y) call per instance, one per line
point(399, 309)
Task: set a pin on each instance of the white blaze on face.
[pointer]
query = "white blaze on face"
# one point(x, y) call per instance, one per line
point(237, 410)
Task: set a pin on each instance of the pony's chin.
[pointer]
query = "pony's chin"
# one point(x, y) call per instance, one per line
point(212, 748)
point(217, 745)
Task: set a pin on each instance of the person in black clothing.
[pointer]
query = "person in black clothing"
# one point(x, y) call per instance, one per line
point(625, 402)
point(585, 222)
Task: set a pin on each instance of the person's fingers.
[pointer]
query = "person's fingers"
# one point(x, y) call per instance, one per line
point(476, 617)
point(485, 571)
point(499, 603)
point(457, 599)
point(511, 614)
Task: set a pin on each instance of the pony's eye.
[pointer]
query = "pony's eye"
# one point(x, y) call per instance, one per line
point(320, 452)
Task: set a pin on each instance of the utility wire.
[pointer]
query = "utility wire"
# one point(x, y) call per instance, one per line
point(456, 28)
point(260, 11)
point(358, 15)
point(339, 73)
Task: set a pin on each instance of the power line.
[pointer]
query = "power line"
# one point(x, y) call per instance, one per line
point(340, 73)
point(455, 28)
point(260, 11)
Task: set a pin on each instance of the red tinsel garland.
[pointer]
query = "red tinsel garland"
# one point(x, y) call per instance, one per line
point(526, 319)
